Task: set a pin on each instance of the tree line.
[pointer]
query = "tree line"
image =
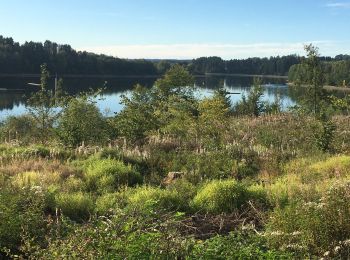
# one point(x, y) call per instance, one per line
point(335, 73)
point(258, 66)
point(63, 59)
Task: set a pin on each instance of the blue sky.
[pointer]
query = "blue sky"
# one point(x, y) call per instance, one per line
point(182, 28)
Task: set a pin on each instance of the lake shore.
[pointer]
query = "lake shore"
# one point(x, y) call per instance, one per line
point(327, 87)
point(28, 75)
point(247, 75)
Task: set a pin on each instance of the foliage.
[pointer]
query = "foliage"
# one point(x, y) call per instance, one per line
point(252, 104)
point(82, 122)
point(131, 234)
point(42, 106)
point(336, 73)
point(77, 206)
point(325, 138)
point(19, 128)
point(316, 227)
point(137, 117)
point(63, 59)
point(21, 213)
point(156, 198)
point(220, 196)
point(107, 175)
point(245, 245)
point(109, 203)
point(253, 66)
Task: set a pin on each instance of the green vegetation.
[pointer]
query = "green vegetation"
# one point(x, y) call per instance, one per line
point(176, 177)
point(334, 72)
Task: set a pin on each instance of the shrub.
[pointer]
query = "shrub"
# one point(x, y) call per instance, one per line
point(154, 198)
point(220, 196)
point(106, 203)
point(236, 246)
point(21, 214)
point(258, 194)
point(26, 179)
point(127, 234)
point(77, 206)
point(107, 175)
point(82, 121)
point(20, 128)
point(315, 227)
point(29, 179)
point(73, 184)
point(338, 166)
point(185, 191)
point(307, 179)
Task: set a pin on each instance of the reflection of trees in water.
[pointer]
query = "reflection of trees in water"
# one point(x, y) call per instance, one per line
point(113, 85)
point(296, 93)
point(281, 91)
point(8, 100)
point(213, 82)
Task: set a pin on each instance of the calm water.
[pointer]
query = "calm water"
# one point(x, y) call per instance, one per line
point(12, 102)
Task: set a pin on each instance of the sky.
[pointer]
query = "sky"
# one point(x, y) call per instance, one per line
point(182, 29)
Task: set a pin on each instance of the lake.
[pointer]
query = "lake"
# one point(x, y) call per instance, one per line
point(13, 102)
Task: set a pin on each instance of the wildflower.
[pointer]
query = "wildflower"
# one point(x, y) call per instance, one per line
point(277, 233)
point(336, 249)
point(346, 242)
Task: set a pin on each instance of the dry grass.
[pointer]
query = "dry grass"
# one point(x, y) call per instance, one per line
point(17, 166)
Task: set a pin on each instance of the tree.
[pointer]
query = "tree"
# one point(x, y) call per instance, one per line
point(315, 80)
point(213, 115)
point(252, 104)
point(137, 117)
point(42, 107)
point(82, 122)
point(159, 108)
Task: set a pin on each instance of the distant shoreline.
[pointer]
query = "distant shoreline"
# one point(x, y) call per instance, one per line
point(29, 75)
point(329, 88)
point(32, 75)
point(247, 75)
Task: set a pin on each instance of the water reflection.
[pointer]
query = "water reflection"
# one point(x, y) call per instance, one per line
point(12, 102)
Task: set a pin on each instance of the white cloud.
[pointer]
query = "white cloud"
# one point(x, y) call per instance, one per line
point(226, 51)
point(339, 5)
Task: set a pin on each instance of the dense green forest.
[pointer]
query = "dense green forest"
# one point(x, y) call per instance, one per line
point(63, 59)
point(173, 176)
point(335, 73)
point(255, 66)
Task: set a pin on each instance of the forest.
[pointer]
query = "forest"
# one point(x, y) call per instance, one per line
point(335, 73)
point(176, 177)
point(26, 58)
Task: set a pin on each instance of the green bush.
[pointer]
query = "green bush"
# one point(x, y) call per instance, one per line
point(107, 203)
point(127, 234)
point(317, 227)
point(73, 184)
point(150, 197)
point(29, 179)
point(77, 206)
point(21, 215)
point(185, 191)
point(220, 196)
point(258, 194)
point(107, 175)
point(82, 121)
point(20, 128)
point(236, 246)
